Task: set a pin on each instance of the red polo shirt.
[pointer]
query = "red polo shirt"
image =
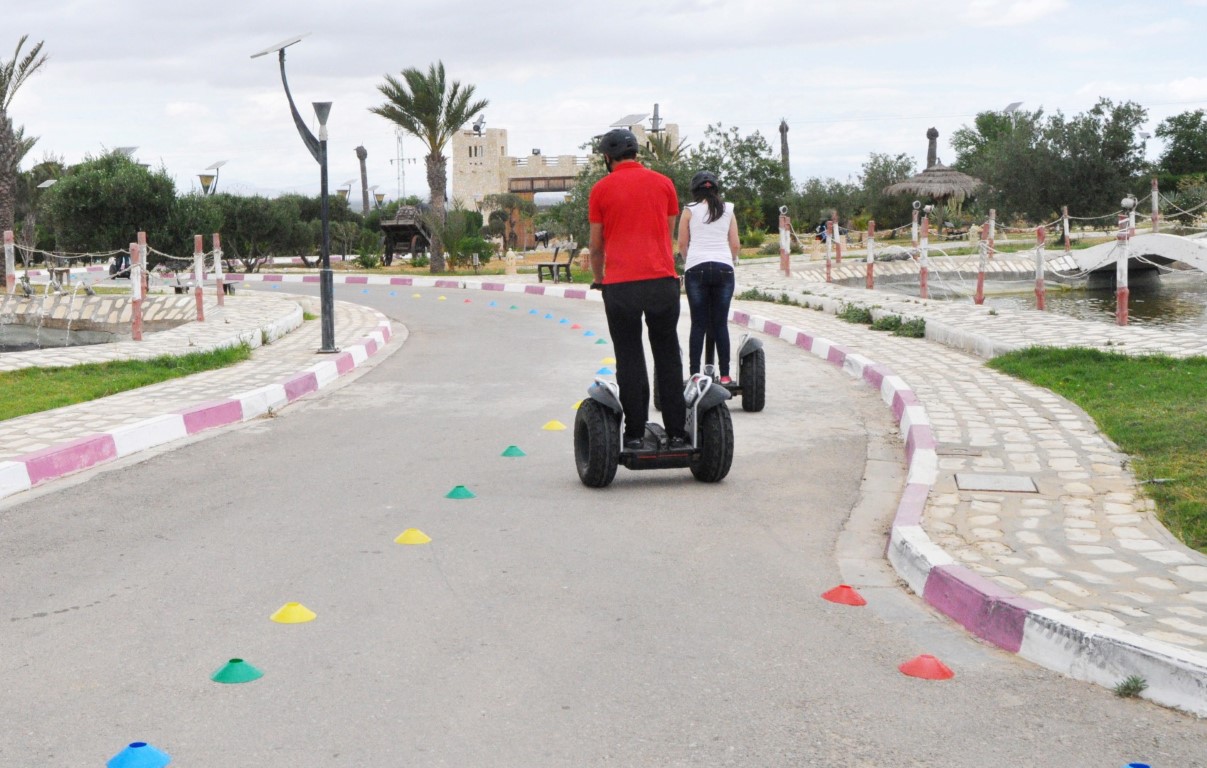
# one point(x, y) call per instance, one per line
point(633, 203)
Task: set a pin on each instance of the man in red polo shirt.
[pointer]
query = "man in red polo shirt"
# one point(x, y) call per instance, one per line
point(632, 212)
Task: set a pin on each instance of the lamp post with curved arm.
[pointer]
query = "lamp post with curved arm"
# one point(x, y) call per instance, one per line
point(318, 150)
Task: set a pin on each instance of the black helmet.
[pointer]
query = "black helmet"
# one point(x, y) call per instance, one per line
point(705, 180)
point(617, 143)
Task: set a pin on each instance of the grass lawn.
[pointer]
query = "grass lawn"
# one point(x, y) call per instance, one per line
point(1153, 407)
point(32, 390)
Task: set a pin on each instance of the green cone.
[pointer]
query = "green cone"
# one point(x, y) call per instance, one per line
point(459, 492)
point(236, 671)
point(513, 450)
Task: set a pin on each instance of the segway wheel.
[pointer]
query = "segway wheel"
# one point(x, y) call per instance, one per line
point(753, 373)
point(711, 463)
point(596, 443)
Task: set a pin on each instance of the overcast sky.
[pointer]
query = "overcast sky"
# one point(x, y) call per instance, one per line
point(851, 77)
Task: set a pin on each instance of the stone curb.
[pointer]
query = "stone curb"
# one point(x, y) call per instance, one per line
point(24, 472)
point(1045, 636)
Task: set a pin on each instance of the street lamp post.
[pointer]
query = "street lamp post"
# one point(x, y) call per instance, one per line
point(318, 150)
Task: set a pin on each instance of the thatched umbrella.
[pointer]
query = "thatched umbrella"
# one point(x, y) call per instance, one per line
point(937, 182)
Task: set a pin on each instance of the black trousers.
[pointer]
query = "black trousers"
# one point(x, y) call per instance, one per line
point(625, 305)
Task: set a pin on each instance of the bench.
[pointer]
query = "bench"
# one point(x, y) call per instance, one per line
point(554, 268)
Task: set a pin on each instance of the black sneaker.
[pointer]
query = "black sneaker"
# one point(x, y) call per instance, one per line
point(678, 444)
point(634, 444)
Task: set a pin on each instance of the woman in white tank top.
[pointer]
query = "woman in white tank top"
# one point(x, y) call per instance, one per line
point(708, 241)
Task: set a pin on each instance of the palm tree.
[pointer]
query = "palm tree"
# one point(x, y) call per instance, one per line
point(14, 144)
point(432, 110)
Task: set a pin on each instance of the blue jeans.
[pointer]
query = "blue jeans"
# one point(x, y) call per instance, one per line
point(709, 291)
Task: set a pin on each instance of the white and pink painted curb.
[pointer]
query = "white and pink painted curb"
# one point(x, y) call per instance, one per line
point(24, 472)
point(1046, 636)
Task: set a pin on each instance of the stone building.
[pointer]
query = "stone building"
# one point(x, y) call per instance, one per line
point(481, 166)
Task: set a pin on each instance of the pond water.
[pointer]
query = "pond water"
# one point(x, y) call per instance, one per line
point(1176, 300)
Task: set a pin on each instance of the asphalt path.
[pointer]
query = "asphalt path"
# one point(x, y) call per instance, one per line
point(658, 622)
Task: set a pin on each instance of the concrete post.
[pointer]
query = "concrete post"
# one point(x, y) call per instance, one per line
point(1040, 292)
point(785, 245)
point(923, 259)
point(983, 253)
point(829, 243)
point(142, 254)
point(871, 280)
point(219, 275)
point(136, 292)
point(837, 237)
point(1064, 217)
point(10, 263)
point(992, 230)
point(1121, 256)
point(1156, 215)
point(198, 276)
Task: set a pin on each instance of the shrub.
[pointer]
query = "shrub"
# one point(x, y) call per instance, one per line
point(914, 329)
point(854, 313)
point(887, 323)
point(367, 260)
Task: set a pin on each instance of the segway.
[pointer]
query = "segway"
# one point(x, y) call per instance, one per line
point(597, 439)
point(751, 382)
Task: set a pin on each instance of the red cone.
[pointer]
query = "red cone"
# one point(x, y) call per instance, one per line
point(844, 594)
point(927, 667)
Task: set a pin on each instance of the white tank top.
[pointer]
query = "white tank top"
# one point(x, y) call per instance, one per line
point(709, 241)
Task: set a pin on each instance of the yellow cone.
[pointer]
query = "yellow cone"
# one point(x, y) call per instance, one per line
point(441, 299)
point(293, 613)
point(576, 405)
point(412, 536)
point(416, 295)
point(554, 426)
point(608, 361)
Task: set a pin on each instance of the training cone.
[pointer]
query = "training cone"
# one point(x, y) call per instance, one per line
point(548, 317)
point(513, 451)
point(563, 321)
point(293, 613)
point(393, 293)
point(413, 536)
point(416, 295)
point(493, 304)
point(364, 290)
point(926, 667)
point(236, 671)
point(576, 327)
point(513, 306)
point(589, 333)
point(441, 299)
point(608, 361)
point(460, 492)
point(553, 426)
point(844, 594)
point(576, 405)
point(605, 371)
point(601, 341)
point(533, 312)
point(139, 754)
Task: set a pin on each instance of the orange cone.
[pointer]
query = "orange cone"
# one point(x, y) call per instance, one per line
point(927, 667)
point(844, 594)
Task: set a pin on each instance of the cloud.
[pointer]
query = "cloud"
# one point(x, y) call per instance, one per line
point(1009, 13)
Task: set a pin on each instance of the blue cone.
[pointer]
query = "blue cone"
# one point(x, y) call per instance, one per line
point(493, 304)
point(532, 312)
point(393, 293)
point(589, 333)
point(605, 371)
point(139, 754)
point(563, 321)
point(548, 317)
